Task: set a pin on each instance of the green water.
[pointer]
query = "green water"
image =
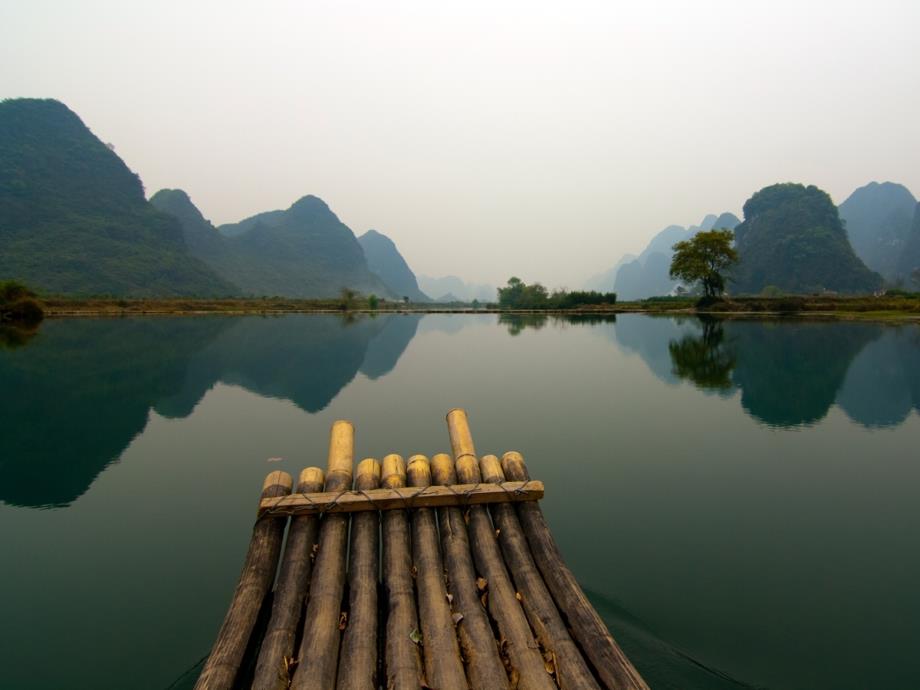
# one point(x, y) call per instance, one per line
point(740, 500)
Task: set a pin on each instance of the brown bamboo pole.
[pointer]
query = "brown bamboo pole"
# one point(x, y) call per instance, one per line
point(560, 650)
point(484, 668)
point(611, 664)
point(223, 664)
point(319, 649)
point(273, 668)
point(358, 658)
point(402, 661)
point(527, 669)
point(443, 668)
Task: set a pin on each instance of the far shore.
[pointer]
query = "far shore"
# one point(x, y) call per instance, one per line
point(881, 308)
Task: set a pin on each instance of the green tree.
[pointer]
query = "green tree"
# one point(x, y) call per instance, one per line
point(519, 295)
point(703, 259)
point(347, 299)
point(18, 304)
point(373, 302)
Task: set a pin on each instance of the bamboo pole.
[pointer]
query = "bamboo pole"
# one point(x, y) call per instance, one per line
point(273, 668)
point(484, 667)
point(560, 651)
point(223, 664)
point(319, 649)
point(527, 668)
point(443, 668)
point(331, 502)
point(402, 660)
point(358, 659)
point(611, 664)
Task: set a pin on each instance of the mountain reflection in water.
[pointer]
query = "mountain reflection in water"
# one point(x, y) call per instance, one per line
point(84, 388)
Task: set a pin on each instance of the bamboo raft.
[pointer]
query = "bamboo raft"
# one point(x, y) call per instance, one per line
point(474, 592)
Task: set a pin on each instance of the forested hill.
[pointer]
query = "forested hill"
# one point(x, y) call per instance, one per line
point(304, 251)
point(792, 239)
point(73, 217)
point(384, 259)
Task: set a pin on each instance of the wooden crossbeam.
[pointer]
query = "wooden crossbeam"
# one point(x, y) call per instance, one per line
point(402, 498)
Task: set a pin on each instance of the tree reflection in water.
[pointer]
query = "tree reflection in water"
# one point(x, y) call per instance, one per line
point(704, 359)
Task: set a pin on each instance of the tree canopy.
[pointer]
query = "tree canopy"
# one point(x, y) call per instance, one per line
point(519, 295)
point(703, 259)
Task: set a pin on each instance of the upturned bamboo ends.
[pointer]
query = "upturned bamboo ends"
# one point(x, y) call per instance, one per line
point(453, 581)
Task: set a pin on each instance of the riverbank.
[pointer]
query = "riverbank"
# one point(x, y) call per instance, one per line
point(883, 307)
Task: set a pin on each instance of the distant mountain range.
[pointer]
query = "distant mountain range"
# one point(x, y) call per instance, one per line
point(73, 217)
point(449, 289)
point(646, 275)
point(384, 259)
point(74, 220)
point(878, 220)
point(304, 251)
point(802, 243)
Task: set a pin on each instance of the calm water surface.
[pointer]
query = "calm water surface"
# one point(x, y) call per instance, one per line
point(740, 500)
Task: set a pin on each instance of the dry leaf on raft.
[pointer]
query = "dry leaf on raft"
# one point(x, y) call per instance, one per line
point(482, 583)
point(343, 620)
point(457, 618)
point(415, 636)
point(274, 460)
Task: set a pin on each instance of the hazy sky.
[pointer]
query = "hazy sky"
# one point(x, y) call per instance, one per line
point(486, 138)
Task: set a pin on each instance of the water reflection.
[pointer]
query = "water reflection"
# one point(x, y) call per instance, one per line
point(12, 337)
point(789, 373)
point(704, 359)
point(516, 323)
point(83, 389)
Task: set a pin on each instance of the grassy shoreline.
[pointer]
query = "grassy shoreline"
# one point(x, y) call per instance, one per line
point(875, 308)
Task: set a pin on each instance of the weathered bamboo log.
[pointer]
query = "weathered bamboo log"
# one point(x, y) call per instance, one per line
point(484, 668)
point(443, 668)
point(358, 658)
point(527, 666)
point(273, 669)
point(319, 649)
point(571, 670)
point(223, 664)
point(402, 660)
point(614, 669)
point(330, 502)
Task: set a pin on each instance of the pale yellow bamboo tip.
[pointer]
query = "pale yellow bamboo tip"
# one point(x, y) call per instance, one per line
point(442, 469)
point(368, 474)
point(461, 439)
point(311, 478)
point(468, 470)
point(419, 471)
point(278, 478)
point(514, 466)
point(394, 471)
point(341, 448)
point(369, 467)
point(491, 469)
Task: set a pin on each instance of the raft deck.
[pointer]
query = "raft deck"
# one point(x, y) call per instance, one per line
point(432, 574)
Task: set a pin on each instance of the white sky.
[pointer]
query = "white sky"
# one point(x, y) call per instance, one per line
point(487, 139)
